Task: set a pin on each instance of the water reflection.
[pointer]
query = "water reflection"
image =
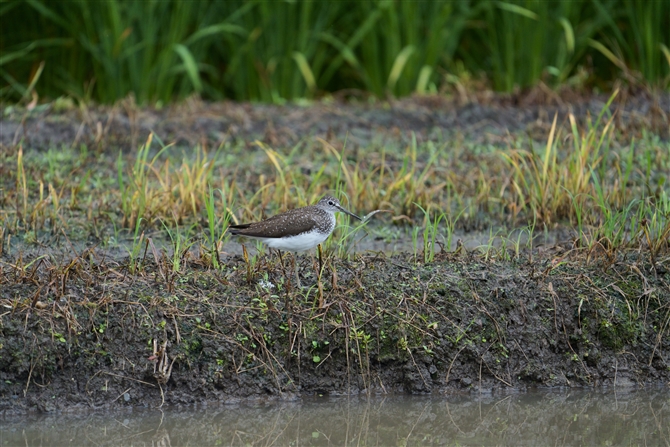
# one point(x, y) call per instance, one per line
point(579, 418)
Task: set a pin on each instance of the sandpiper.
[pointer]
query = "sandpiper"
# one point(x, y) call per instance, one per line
point(295, 230)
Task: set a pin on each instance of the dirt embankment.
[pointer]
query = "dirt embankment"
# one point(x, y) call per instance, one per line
point(109, 338)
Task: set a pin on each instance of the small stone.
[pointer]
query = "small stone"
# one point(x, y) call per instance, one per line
point(126, 397)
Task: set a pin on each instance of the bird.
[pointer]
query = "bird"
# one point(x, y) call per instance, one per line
point(296, 230)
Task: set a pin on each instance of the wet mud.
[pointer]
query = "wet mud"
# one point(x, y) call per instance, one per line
point(483, 118)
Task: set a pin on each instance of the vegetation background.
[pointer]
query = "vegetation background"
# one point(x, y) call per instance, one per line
point(160, 51)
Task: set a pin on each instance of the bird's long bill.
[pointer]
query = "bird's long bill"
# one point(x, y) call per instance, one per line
point(349, 213)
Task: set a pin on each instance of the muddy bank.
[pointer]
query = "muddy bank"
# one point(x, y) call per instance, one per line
point(84, 332)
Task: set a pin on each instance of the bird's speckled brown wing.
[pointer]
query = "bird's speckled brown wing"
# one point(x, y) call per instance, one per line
point(290, 223)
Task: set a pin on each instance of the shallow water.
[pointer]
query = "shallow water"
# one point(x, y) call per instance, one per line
point(392, 240)
point(378, 238)
point(537, 418)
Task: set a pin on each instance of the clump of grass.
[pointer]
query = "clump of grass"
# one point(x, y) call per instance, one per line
point(404, 183)
point(547, 186)
point(135, 195)
point(39, 197)
point(157, 190)
point(133, 254)
point(430, 232)
point(181, 242)
point(216, 225)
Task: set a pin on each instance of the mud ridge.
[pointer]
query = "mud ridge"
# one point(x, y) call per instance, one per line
point(86, 333)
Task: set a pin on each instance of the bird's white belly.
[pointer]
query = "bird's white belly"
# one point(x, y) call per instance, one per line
point(298, 243)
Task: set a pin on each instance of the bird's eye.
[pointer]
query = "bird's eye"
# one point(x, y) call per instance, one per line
point(331, 203)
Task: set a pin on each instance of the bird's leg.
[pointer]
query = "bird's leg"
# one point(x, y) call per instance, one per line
point(283, 269)
point(318, 280)
point(320, 252)
point(297, 276)
point(281, 261)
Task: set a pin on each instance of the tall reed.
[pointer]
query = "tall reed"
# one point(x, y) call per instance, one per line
point(273, 51)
